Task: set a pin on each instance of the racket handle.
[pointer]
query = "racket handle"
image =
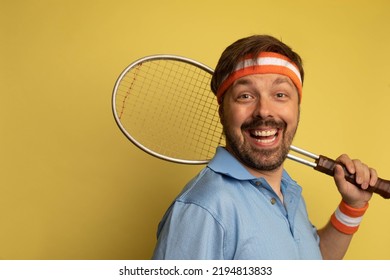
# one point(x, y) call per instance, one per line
point(327, 166)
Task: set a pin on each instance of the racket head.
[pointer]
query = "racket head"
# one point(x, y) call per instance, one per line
point(164, 105)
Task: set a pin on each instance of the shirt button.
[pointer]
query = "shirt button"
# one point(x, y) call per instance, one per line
point(273, 201)
point(258, 183)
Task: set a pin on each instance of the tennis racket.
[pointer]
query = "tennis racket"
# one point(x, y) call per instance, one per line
point(164, 105)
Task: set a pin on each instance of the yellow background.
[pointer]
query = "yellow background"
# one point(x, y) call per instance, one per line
point(73, 187)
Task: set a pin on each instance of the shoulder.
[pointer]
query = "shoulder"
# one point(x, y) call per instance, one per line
point(210, 189)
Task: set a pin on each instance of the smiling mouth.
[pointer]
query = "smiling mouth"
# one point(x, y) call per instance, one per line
point(267, 136)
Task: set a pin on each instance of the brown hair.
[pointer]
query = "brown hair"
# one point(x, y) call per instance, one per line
point(252, 45)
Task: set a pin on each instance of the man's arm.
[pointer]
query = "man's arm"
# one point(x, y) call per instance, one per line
point(335, 239)
point(333, 243)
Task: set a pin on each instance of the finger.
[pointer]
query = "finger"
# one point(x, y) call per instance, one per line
point(373, 177)
point(347, 162)
point(362, 173)
point(339, 174)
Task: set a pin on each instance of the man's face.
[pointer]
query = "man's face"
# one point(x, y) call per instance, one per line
point(260, 115)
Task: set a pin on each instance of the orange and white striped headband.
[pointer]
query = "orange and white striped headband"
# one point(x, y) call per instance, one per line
point(266, 63)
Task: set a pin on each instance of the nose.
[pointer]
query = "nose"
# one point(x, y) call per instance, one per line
point(263, 109)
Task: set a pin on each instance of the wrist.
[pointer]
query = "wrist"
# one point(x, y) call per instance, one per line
point(346, 218)
point(355, 205)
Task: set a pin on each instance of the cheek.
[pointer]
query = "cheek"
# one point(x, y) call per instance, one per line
point(288, 110)
point(293, 118)
point(232, 118)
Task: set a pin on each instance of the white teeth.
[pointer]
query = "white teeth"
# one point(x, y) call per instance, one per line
point(265, 141)
point(265, 132)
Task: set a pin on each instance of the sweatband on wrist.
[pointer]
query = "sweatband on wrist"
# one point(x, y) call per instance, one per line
point(347, 219)
point(265, 63)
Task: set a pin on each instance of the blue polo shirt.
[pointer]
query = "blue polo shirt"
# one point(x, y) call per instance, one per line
point(227, 213)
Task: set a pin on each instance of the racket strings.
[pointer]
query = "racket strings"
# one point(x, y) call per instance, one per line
point(167, 106)
point(127, 93)
point(197, 122)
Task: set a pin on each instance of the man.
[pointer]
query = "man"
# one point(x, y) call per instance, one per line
point(244, 205)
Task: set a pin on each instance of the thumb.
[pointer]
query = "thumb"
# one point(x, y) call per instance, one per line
point(339, 175)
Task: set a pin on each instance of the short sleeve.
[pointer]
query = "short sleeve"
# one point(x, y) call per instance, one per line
point(189, 232)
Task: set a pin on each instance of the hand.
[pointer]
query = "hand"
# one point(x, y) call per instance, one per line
point(365, 177)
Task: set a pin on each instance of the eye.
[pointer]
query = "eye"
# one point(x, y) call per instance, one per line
point(244, 96)
point(281, 95)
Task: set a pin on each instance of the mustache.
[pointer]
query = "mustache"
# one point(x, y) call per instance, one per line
point(255, 123)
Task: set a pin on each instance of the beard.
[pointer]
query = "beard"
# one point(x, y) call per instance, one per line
point(260, 158)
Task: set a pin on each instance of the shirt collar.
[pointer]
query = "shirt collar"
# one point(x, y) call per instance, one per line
point(225, 163)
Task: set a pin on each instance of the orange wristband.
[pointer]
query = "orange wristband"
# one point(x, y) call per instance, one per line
point(347, 219)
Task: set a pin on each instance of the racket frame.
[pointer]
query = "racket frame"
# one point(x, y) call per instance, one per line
point(116, 115)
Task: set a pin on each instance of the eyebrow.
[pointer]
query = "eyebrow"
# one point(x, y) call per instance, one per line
point(242, 81)
point(281, 80)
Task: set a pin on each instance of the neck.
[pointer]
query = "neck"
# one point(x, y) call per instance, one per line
point(273, 177)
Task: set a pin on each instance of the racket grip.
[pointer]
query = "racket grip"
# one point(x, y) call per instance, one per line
point(327, 166)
